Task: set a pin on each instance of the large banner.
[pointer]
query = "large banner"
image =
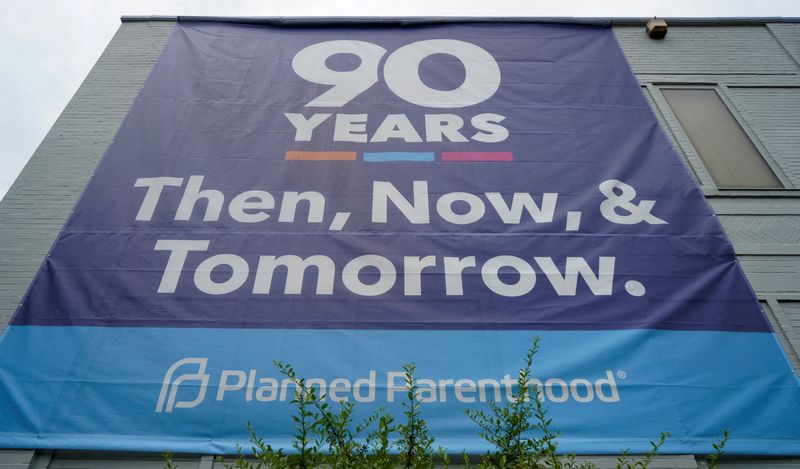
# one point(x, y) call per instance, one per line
point(348, 199)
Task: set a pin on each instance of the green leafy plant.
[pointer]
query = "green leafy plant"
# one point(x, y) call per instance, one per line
point(509, 427)
point(520, 429)
point(415, 443)
point(335, 426)
point(263, 454)
point(168, 463)
point(380, 443)
point(719, 447)
point(624, 461)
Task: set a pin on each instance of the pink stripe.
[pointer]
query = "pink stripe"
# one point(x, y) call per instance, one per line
point(477, 156)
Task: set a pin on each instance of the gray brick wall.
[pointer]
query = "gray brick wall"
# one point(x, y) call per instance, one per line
point(43, 196)
point(764, 226)
point(772, 114)
point(706, 50)
point(788, 313)
point(788, 35)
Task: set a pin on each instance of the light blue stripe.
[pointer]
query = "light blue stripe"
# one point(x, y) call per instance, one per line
point(398, 156)
point(67, 385)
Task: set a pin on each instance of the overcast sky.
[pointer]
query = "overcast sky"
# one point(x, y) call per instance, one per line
point(48, 46)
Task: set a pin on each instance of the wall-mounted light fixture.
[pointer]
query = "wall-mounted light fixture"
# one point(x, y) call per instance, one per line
point(656, 28)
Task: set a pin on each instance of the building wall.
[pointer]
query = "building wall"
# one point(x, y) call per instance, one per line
point(754, 67)
point(45, 193)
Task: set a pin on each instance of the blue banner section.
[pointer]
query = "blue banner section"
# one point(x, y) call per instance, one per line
point(349, 199)
point(193, 389)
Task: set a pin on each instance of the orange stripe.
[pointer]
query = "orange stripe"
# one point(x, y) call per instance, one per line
point(320, 155)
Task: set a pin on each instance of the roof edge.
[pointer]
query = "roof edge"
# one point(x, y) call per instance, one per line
point(426, 20)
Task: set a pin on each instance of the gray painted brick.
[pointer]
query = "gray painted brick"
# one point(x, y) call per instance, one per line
point(44, 194)
point(15, 459)
point(791, 311)
point(765, 230)
point(772, 113)
point(772, 274)
point(706, 50)
point(788, 34)
point(785, 331)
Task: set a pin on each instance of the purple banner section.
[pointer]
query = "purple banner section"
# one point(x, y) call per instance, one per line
point(548, 197)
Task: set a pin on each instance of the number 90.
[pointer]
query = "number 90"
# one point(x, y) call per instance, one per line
point(400, 71)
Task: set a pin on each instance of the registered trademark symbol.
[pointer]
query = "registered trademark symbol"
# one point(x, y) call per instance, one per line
point(621, 374)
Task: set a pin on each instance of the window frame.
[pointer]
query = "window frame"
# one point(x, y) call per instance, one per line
point(685, 146)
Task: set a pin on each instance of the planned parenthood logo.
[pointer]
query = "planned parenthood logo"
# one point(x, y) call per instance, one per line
point(169, 388)
point(252, 386)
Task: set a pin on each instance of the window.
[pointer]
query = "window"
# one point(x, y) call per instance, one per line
point(732, 160)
